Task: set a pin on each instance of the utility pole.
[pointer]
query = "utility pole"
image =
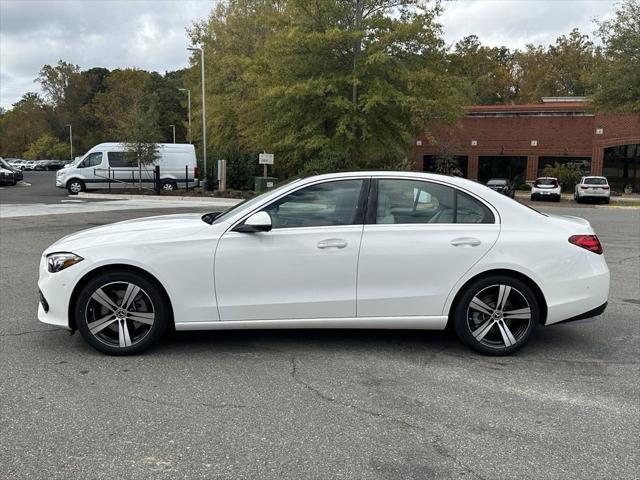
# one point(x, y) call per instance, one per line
point(189, 108)
point(204, 117)
point(70, 140)
point(174, 132)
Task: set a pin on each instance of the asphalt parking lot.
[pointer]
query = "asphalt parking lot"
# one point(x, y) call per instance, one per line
point(317, 404)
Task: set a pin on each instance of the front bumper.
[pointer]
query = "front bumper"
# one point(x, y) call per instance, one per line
point(55, 289)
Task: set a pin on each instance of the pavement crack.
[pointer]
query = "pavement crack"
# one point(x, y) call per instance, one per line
point(30, 332)
point(436, 441)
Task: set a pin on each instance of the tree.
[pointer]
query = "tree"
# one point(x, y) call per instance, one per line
point(488, 71)
point(618, 76)
point(336, 84)
point(139, 132)
point(568, 174)
point(23, 124)
point(47, 147)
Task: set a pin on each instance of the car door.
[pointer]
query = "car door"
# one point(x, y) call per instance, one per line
point(90, 170)
point(419, 238)
point(305, 267)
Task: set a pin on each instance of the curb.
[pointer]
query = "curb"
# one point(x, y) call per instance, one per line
point(155, 198)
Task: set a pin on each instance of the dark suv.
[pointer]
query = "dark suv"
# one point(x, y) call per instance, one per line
point(503, 186)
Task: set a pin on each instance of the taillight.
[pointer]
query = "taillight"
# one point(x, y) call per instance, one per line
point(588, 242)
point(196, 171)
point(583, 187)
point(606, 187)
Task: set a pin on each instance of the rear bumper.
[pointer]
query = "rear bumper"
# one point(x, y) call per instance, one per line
point(545, 195)
point(590, 314)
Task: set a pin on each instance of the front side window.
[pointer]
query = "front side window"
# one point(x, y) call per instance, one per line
point(324, 204)
point(92, 160)
point(414, 201)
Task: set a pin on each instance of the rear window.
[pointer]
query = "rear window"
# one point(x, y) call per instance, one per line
point(595, 181)
point(497, 182)
point(546, 182)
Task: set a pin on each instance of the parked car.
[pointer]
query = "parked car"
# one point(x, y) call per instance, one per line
point(15, 163)
point(30, 165)
point(592, 188)
point(546, 188)
point(55, 164)
point(17, 173)
point(7, 177)
point(503, 186)
point(347, 250)
point(104, 165)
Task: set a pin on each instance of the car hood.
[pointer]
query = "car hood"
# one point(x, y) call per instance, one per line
point(139, 230)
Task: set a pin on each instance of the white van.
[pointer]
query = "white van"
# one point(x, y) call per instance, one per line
point(104, 167)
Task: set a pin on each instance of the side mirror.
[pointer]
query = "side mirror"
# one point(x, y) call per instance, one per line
point(258, 222)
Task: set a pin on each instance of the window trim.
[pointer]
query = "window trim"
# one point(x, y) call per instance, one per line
point(372, 204)
point(362, 205)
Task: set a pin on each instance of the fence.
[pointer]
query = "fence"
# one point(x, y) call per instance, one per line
point(143, 177)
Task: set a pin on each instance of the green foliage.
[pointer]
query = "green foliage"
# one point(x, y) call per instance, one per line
point(47, 147)
point(568, 174)
point(139, 132)
point(241, 169)
point(447, 165)
point(618, 76)
point(323, 85)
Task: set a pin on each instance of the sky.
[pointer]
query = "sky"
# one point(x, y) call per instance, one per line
point(152, 34)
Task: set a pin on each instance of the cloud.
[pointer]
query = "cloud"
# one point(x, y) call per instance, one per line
point(520, 22)
point(152, 34)
point(145, 34)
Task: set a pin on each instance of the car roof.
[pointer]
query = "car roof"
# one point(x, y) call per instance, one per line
point(547, 178)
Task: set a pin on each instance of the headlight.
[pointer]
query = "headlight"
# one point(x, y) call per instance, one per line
point(62, 260)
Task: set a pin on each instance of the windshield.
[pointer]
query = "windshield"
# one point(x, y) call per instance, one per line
point(595, 181)
point(250, 202)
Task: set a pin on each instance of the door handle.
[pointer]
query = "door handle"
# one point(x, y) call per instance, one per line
point(465, 242)
point(332, 243)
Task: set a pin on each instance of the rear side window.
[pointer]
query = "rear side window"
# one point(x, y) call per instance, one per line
point(418, 202)
point(116, 159)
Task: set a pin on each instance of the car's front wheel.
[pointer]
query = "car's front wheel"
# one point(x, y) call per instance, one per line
point(496, 315)
point(75, 186)
point(121, 313)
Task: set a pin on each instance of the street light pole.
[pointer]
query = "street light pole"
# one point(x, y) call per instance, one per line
point(189, 108)
point(174, 132)
point(70, 140)
point(204, 117)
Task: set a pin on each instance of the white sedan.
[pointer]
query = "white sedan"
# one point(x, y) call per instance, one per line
point(401, 250)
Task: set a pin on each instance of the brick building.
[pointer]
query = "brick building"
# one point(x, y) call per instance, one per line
point(517, 141)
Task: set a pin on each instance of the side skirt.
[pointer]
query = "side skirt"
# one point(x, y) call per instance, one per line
point(400, 323)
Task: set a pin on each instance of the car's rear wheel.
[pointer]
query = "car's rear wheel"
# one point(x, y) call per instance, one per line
point(75, 186)
point(121, 313)
point(496, 315)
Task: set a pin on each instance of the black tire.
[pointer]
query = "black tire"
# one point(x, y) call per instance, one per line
point(533, 198)
point(75, 186)
point(116, 329)
point(168, 185)
point(607, 201)
point(496, 333)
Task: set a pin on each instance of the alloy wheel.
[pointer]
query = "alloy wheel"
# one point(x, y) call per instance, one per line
point(75, 187)
point(120, 314)
point(499, 316)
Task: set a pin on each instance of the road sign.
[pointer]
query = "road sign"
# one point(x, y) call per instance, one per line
point(265, 159)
